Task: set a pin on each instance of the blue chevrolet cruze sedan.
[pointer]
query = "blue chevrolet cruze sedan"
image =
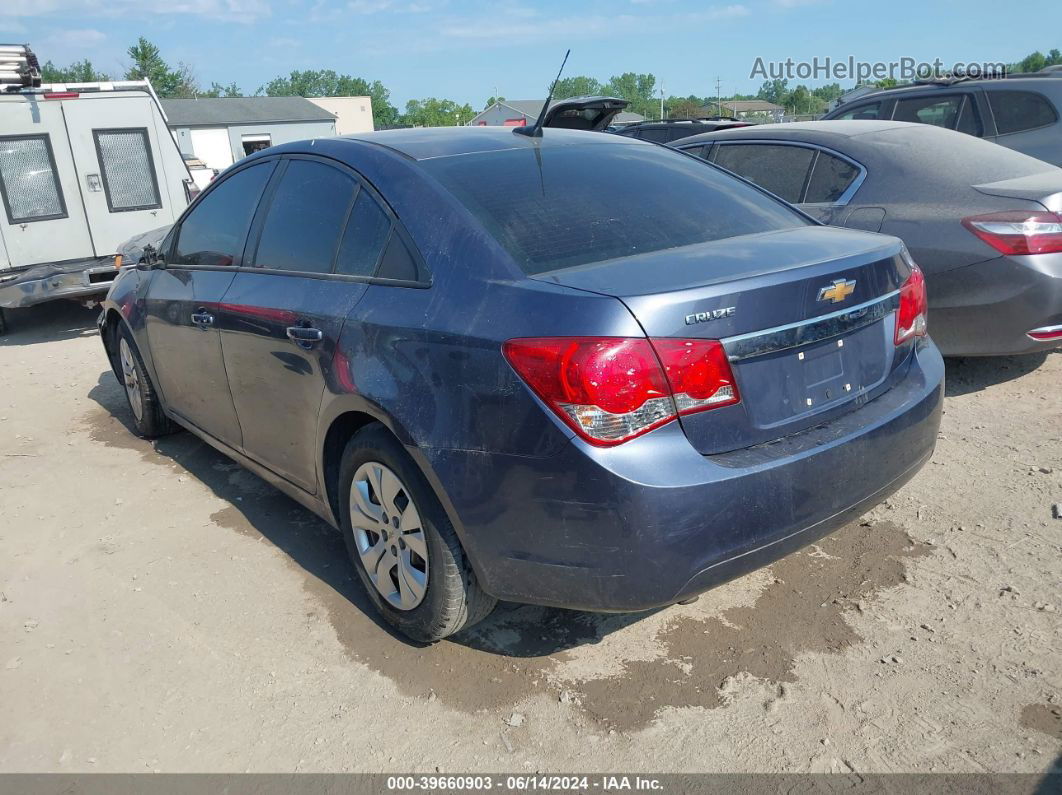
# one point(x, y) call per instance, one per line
point(575, 370)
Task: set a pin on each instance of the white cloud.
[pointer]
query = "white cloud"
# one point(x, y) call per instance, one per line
point(483, 29)
point(228, 10)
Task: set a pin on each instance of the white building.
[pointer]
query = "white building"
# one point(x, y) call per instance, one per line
point(353, 114)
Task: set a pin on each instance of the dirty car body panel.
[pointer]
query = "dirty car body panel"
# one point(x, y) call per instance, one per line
point(424, 339)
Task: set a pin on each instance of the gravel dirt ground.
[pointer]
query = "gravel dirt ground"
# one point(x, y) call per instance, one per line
point(163, 609)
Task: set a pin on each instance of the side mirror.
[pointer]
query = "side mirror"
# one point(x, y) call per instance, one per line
point(150, 259)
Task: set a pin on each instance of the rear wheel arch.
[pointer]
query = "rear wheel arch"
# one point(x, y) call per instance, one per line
point(339, 432)
point(342, 429)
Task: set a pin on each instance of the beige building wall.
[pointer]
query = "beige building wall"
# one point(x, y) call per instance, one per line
point(353, 114)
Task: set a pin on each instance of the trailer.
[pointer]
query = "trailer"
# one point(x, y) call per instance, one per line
point(83, 167)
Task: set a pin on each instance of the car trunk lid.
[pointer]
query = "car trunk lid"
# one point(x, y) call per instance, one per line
point(805, 316)
point(1044, 188)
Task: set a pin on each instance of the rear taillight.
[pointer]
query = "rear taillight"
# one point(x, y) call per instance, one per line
point(611, 389)
point(1046, 334)
point(911, 315)
point(1018, 231)
point(698, 372)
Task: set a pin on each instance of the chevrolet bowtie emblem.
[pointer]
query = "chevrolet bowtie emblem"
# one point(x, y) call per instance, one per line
point(838, 291)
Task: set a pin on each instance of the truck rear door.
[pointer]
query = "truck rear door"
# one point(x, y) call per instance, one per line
point(42, 219)
point(116, 144)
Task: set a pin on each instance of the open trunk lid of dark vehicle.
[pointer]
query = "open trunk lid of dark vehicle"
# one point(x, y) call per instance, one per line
point(806, 317)
point(584, 113)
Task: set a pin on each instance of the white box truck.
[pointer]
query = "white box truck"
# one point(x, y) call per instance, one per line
point(83, 167)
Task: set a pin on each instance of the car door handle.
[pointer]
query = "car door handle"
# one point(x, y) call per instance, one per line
point(304, 336)
point(203, 319)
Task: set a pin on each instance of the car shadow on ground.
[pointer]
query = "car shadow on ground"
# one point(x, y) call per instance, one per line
point(56, 320)
point(966, 374)
point(256, 508)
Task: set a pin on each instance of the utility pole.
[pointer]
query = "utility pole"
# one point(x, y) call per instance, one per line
point(661, 102)
point(718, 97)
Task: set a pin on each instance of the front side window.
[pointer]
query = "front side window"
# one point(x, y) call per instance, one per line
point(215, 230)
point(862, 112)
point(128, 170)
point(779, 169)
point(28, 179)
point(301, 231)
point(560, 206)
point(1016, 111)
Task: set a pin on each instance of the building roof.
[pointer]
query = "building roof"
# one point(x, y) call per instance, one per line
point(217, 111)
point(752, 106)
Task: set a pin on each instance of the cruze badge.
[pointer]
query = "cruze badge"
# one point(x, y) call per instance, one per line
point(838, 291)
point(715, 314)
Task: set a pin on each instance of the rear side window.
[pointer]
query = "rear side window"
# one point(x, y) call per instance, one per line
point(830, 178)
point(560, 206)
point(953, 112)
point(397, 262)
point(127, 169)
point(1016, 111)
point(301, 231)
point(214, 231)
point(655, 134)
point(862, 112)
point(779, 169)
point(28, 179)
point(364, 238)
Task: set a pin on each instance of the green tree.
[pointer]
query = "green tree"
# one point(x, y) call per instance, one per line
point(218, 90)
point(637, 89)
point(829, 92)
point(776, 91)
point(147, 64)
point(1035, 61)
point(432, 112)
point(577, 86)
point(685, 107)
point(492, 100)
point(327, 83)
point(77, 72)
point(798, 100)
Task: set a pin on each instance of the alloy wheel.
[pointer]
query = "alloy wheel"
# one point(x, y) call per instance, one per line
point(389, 535)
point(131, 379)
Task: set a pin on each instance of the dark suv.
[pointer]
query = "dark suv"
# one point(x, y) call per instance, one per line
point(668, 130)
point(1021, 112)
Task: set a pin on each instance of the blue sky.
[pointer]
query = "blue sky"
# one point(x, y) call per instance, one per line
point(462, 49)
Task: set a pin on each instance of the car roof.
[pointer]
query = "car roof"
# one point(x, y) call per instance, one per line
point(886, 145)
point(423, 143)
point(1015, 82)
point(820, 132)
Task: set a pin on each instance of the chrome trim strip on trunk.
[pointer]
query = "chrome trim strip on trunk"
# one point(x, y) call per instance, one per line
point(804, 332)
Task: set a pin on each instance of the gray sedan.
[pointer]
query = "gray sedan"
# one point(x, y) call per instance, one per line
point(983, 222)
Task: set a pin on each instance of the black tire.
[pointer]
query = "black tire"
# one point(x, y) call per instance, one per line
point(452, 599)
point(151, 422)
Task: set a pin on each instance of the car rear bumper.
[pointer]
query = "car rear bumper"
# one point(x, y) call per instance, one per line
point(986, 309)
point(652, 522)
point(75, 279)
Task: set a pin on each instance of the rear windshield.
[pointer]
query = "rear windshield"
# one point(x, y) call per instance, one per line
point(560, 206)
